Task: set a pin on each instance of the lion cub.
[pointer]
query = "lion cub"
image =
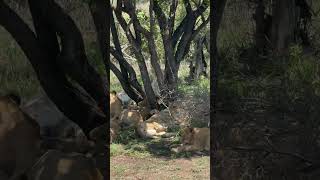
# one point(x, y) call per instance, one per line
point(194, 139)
point(115, 105)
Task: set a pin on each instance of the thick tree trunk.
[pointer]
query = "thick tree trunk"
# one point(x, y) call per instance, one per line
point(284, 24)
point(180, 39)
point(260, 35)
point(216, 12)
point(127, 75)
point(153, 50)
point(198, 65)
point(101, 12)
point(52, 79)
point(72, 58)
point(136, 43)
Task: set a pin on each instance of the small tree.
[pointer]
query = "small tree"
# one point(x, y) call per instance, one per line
point(176, 40)
point(56, 64)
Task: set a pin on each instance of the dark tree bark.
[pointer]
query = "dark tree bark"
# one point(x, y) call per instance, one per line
point(260, 35)
point(72, 58)
point(69, 100)
point(136, 43)
point(198, 68)
point(127, 75)
point(176, 41)
point(101, 12)
point(216, 12)
point(284, 24)
point(180, 38)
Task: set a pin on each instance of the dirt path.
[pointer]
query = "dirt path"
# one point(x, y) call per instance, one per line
point(134, 168)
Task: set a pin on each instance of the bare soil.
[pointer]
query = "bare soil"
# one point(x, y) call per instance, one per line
point(126, 167)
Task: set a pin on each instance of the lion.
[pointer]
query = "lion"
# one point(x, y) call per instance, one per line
point(55, 165)
point(19, 138)
point(194, 139)
point(99, 133)
point(115, 105)
point(133, 118)
point(150, 129)
point(130, 118)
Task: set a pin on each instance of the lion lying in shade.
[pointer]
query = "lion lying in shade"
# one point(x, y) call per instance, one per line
point(194, 139)
point(19, 138)
point(133, 118)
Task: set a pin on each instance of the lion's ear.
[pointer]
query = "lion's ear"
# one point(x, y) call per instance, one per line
point(113, 93)
point(15, 98)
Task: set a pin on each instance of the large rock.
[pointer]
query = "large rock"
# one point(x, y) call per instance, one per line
point(125, 99)
point(55, 165)
point(164, 118)
point(53, 123)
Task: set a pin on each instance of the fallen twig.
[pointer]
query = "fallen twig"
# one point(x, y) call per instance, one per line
point(294, 155)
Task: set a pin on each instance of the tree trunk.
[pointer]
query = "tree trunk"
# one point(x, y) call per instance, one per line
point(127, 75)
point(153, 49)
point(200, 64)
point(260, 35)
point(72, 58)
point(216, 12)
point(284, 25)
point(69, 100)
point(136, 43)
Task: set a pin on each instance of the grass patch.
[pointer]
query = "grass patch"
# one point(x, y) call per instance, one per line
point(199, 88)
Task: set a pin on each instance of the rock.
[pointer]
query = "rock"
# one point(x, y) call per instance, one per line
point(125, 99)
point(53, 123)
point(55, 165)
point(164, 118)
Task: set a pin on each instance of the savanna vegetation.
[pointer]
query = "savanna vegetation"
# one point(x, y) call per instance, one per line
point(267, 104)
point(159, 53)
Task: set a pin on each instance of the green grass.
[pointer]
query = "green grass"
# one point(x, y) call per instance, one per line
point(114, 83)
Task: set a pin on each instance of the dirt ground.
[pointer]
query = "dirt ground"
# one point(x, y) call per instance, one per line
point(152, 159)
point(126, 167)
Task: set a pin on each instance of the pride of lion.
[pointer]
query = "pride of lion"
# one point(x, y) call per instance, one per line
point(192, 139)
point(21, 141)
point(21, 146)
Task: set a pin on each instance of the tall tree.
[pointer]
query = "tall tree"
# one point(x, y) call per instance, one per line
point(216, 13)
point(176, 39)
point(287, 24)
point(55, 64)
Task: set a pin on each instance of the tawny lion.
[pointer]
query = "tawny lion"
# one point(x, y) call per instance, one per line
point(194, 139)
point(19, 138)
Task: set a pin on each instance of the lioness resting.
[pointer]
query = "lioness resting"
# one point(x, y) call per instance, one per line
point(194, 139)
point(19, 138)
point(115, 105)
point(55, 165)
point(150, 129)
point(133, 118)
point(130, 118)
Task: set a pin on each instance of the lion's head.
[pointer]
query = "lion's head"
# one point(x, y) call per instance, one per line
point(187, 135)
